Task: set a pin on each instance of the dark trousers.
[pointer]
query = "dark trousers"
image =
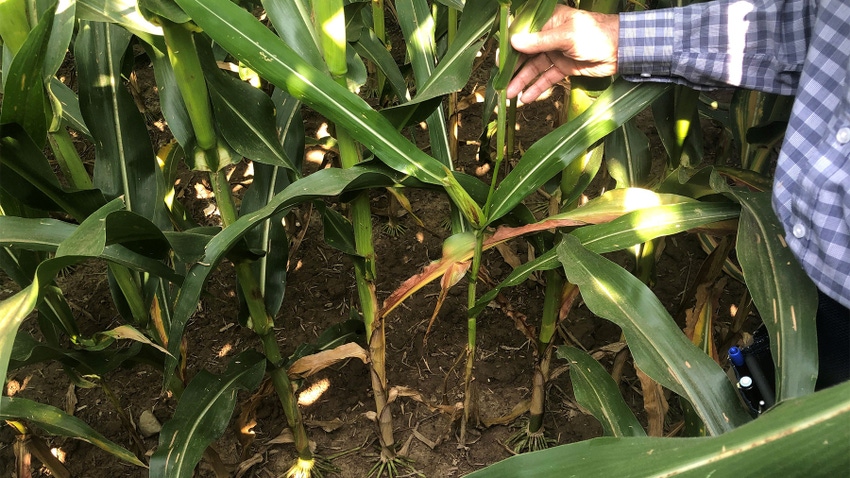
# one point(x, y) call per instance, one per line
point(833, 321)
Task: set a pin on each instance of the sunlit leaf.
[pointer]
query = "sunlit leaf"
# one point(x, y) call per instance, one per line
point(24, 101)
point(243, 36)
point(125, 164)
point(657, 344)
point(556, 150)
point(596, 391)
point(782, 292)
point(810, 430)
point(202, 415)
point(56, 422)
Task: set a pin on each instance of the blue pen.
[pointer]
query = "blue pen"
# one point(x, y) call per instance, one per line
point(736, 356)
point(738, 362)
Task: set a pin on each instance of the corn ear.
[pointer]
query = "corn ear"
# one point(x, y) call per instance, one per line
point(190, 80)
point(530, 18)
point(330, 19)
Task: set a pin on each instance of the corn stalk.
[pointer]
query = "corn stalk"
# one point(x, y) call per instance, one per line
point(212, 154)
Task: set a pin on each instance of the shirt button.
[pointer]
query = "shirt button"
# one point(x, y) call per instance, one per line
point(798, 231)
point(843, 135)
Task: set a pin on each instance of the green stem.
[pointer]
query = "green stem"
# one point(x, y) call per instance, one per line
point(501, 118)
point(510, 141)
point(551, 308)
point(69, 161)
point(262, 323)
point(469, 405)
point(223, 198)
point(190, 81)
point(283, 387)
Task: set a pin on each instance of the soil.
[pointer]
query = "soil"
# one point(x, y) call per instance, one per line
point(320, 293)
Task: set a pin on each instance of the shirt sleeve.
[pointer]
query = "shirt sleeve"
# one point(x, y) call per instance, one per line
point(756, 44)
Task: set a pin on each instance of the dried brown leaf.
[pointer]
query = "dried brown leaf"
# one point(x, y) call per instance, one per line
point(311, 364)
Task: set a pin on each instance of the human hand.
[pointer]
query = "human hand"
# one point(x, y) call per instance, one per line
point(572, 43)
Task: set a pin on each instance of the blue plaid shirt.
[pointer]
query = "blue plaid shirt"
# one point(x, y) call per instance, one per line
point(790, 47)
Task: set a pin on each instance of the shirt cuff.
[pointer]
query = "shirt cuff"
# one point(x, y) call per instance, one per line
point(646, 44)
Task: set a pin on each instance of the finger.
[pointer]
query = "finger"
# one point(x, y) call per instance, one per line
point(530, 70)
point(545, 81)
point(542, 41)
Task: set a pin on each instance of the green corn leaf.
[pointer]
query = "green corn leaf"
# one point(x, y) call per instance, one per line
point(412, 112)
point(26, 175)
point(49, 234)
point(242, 35)
point(323, 183)
point(24, 101)
point(56, 422)
point(628, 156)
point(658, 346)
point(418, 27)
point(812, 431)
point(369, 47)
point(112, 224)
point(338, 231)
point(14, 309)
point(671, 215)
point(189, 245)
point(170, 100)
point(245, 116)
point(575, 179)
point(290, 126)
point(163, 8)
point(60, 36)
point(91, 229)
point(269, 237)
point(674, 113)
point(456, 4)
point(28, 351)
point(124, 13)
point(596, 391)
point(782, 292)
point(646, 224)
point(292, 20)
point(556, 150)
point(758, 122)
point(202, 415)
point(455, 66)
point(66, 104)
point(125, 164)
point(14, 27)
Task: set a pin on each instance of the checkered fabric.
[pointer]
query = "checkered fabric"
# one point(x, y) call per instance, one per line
point(788, 47)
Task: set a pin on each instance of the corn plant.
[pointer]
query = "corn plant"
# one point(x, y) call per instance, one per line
point(314, 56)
